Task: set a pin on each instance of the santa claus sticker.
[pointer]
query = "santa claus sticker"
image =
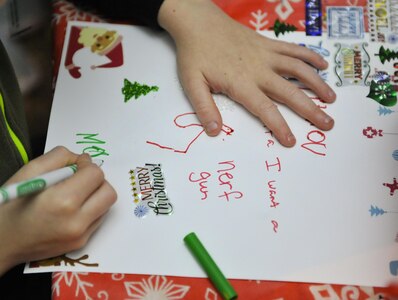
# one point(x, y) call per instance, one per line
point(92, 48)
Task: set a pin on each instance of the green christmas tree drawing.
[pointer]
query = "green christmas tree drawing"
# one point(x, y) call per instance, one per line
point(386, 54)
point(383, 93)
point(136, 89)
point(281, 27)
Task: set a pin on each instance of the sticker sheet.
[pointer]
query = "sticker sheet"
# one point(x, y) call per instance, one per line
point(324, 211)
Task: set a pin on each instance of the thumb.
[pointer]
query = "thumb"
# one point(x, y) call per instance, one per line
point(198, 93)
point(83, 161)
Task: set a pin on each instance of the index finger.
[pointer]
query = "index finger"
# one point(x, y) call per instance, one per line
point(302, 53)
point(88, 178)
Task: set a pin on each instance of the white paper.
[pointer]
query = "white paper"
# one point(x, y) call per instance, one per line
point(320, 228)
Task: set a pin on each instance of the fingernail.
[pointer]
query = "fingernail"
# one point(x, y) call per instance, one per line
point(331, 94)
point(98, 162)
point(291, 138)
point(328, 120)
point(86, 156)
point(210, 127)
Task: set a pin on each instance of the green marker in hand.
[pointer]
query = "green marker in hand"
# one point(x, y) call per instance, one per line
point(38, 183)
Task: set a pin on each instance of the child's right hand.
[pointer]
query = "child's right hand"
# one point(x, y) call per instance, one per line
point(59, 219)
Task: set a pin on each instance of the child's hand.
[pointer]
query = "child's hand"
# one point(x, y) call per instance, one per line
point(59, 219)
point(216, 54)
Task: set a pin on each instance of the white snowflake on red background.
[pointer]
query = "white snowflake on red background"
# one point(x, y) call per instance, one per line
point(328, 292)
point(83, 289)
point(259, 21)
point(155, 287)
point(211, 294)
point(284, 9)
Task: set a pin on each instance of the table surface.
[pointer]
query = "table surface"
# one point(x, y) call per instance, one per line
point(257, 15)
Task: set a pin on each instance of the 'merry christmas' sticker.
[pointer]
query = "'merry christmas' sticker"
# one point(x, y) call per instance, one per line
point(352, 64)
point(149, 191)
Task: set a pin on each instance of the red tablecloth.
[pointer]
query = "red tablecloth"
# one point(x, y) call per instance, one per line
point(258, 15)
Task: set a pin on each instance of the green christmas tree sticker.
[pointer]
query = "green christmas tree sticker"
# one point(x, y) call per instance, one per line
point(386, 54)
point(383, 93)
point(136, 89)
point(281, 27)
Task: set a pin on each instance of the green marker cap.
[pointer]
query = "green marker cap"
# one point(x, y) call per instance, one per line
point(210, 267)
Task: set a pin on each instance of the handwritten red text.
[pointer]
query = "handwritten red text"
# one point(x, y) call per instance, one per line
point(224, 180)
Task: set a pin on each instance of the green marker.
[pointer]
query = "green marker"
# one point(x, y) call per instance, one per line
point(210, 267)
point(38, 183)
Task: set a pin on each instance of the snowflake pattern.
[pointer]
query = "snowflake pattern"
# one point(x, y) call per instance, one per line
point(82, 287)
point(284, 9)
point(327, 292)
point(211, 294)
point(392, 186)
point(259, 22)
point(155, 287)
point(392, 38)
point(141, 211)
